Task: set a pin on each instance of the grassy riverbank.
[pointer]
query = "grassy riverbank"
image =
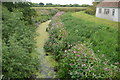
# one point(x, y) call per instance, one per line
point(89, 18)
point(84, 48)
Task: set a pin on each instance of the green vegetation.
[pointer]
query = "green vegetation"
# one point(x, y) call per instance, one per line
point(89, 18)
point(65, 9)
point(43, 15)
point(57, 5)
point(19, 59)
point(83, 47)
point(92, 9)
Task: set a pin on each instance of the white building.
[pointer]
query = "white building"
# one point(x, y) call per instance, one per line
point(109, 9)
point(97, 0)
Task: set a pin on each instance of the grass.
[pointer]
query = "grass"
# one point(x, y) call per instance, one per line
point(100, 36)
point(58, 7)
point(66, 9)
point(87, 50)
point(100, 21)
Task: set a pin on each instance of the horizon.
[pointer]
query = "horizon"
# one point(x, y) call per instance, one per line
point(63, 2)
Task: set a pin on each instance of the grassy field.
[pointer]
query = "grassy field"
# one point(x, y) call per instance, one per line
point(72, 9)
point(90, 18)
point(58, 7)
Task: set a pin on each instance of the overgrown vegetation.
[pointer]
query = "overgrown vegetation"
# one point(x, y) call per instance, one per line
point(43, 15)
point(58, 5)
point(20, 59)
point(83, 48)
point(65, 9)
point(92, 9)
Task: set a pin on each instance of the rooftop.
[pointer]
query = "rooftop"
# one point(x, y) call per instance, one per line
point(109, 4)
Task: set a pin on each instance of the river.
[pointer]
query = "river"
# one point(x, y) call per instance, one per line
point(47, 63)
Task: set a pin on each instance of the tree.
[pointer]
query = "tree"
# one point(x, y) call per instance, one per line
point(42, 4)
point(49, 4)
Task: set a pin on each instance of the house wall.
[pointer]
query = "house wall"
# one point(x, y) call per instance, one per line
point(109, 16)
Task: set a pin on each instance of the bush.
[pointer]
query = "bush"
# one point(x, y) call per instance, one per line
point(20, 59)
point(80, 62)
point(91, 10)
point(44, 15)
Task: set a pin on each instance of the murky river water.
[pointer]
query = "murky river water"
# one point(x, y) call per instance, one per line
point(47, 63)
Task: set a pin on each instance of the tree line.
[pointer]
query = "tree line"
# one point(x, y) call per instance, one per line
point(58, 5)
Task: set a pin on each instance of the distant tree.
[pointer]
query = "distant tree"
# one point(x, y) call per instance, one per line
point(49, 4)
point(42, 4)
point(85, 5)
point(76, 5)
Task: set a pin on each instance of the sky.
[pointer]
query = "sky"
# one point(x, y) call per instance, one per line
point(64, 1)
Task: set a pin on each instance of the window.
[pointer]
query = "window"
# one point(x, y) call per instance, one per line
point(113, 12)
point(100, 10)
point(106, 11)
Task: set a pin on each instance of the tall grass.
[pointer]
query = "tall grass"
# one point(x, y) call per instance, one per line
point(102, 38)
point(83, 48)
point(89, 18)
point(66, 9)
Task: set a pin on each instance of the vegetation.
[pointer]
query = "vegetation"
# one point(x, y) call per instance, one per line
point(92, 9)
point(65, 9)
point(20, 59)
point(89, 18)
point(43, 15)
point(83, 48)
point(58, 5)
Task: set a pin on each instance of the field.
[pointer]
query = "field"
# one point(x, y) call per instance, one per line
point(87, 17)
point(71, 9)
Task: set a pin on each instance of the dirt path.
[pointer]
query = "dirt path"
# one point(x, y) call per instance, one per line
point(47, 63)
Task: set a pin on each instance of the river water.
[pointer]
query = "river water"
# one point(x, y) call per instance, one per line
point(47, 63)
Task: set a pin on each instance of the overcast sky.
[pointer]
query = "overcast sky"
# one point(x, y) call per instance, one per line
point(64, 1)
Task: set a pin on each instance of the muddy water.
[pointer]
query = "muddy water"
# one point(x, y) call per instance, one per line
point(47, 63)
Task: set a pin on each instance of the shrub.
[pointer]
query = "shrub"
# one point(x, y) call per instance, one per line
point(80, 62)
point(19, 56)
point(91, 10)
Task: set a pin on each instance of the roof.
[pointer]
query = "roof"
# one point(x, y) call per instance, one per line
point(111, 0)
point(109, 4)
point(97, 0)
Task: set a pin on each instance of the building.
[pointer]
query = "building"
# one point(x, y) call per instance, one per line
point(97, 0)
point(109, 9)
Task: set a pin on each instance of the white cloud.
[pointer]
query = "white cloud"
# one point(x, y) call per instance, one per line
point(64, 1)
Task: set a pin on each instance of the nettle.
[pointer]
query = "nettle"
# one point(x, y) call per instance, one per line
point(80, 62)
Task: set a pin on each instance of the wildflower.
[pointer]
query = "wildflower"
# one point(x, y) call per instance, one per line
point(78, 55)
point(70, 64)
point(106, 69)
point(116, 63)
point(83, 65)
point(75, 52)
point(65, 50)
